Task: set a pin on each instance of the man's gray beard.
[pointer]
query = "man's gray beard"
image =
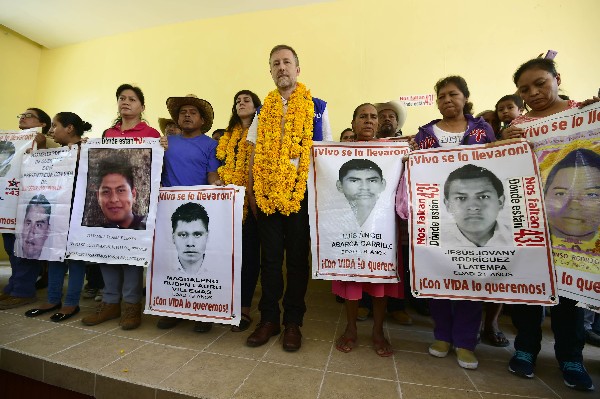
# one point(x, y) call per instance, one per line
point(386, 132)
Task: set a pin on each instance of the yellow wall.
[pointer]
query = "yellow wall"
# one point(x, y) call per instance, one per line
point(350, 52)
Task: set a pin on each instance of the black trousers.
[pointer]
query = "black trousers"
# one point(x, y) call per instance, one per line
point(567, 326)
point(281, 234)
point(250, 258)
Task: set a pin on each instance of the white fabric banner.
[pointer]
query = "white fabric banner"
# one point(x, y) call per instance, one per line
point(196, 270)
point(13, 144)
point(115, 202)
point(45, 203)
point(477, 225)
point(567, 145)
point(351, 206)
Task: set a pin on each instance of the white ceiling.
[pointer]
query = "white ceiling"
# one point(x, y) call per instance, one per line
point(56, 23)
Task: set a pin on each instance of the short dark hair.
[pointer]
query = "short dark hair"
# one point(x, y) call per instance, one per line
point(188, 213)
point(361, 105)
point(510, 97)
point(575, 159)
point(544, 64)
point(70, 118)
point(39, 200)
point(138, 92)
point(235, 119)
point(284, 47)
point(358, 164)
point(118, 164)
point(461, 84)
point(348, 129)
point(470, 171)
point(43, 118)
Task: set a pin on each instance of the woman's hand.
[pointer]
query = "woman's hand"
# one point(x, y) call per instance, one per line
point(412, 143)
point(589, 101)
point(164, 142)
point(512, 132)
point(40, 140)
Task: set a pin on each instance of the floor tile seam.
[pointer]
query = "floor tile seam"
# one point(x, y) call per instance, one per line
point(441, 387)
point(165, 332)
point(289, 365)
point(175, 347)
point(398, 387)
point(179, 368)
point(214, 340)
point(472, 382)
point(74, 345)
point(547, 386)
point(258, 362)
point(122, 357)
point(335, 334)
point(114, 377)
point(131, 338)
point(30, 335)
point(362, 376)
point(89, 328)
point(518, 396)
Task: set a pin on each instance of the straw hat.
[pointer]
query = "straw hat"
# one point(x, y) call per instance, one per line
point(163, 122)
point(206, 110)
point(398, 107)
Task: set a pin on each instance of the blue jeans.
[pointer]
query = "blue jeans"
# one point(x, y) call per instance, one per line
point(56, 278)
point(24, 272)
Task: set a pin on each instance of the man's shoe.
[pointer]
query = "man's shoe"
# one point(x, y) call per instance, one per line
point(165, 322)
point(592, 338)
point(439, 348)
point(132, 316)
point(402, 317)
point(292, 337)
point(522, 364)
point(362, 314)
point(104, 311)
point(15, 302)
point(203, 326)
point(576, 376)
point(466, 359)
point(262, 334)
point(38, 311)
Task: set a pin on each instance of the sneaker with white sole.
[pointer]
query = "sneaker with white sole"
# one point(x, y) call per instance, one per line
point(466, 359)
point(576, 376)
point(522, 364)
point(439, 348)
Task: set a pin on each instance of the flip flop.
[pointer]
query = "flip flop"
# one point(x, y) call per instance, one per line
point(345, 344)
point(383, 348)
point(497, 339)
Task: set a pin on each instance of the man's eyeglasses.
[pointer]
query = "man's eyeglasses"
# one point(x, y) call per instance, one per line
point(27, 116)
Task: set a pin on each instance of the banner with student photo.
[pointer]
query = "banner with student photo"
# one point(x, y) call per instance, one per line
point(116, 195)
point(44, 205)
point(477, 225)
point(351, 199)
point(567, 145)
point(13, 144)
point(196, 270)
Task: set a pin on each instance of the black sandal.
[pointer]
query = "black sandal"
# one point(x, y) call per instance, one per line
point(244, 324)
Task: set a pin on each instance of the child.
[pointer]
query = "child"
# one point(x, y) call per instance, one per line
point(507, 109)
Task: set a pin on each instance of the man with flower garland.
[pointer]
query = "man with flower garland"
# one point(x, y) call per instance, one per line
point(283, 132)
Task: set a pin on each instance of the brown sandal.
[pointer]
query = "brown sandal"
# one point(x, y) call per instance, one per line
point(345, 344)
point(383, 348)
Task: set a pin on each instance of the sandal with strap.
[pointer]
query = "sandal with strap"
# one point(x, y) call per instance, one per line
point(497, 339)
point(245, 322)
point(382, 348)
point(345, 344)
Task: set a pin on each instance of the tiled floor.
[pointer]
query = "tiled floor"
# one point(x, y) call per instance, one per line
point(108, 362)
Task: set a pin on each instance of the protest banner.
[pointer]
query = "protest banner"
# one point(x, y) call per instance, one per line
point(477, 225)
point(351, 198)
point(44, 205)
point(116, 195)
point(418, 100)
point(567, 145)
point(13, 144)
point(196, 270)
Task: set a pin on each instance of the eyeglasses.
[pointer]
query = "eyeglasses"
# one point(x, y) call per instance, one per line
point(27, 116)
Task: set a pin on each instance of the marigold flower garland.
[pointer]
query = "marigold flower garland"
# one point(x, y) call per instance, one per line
point(278, 184)
point(233, 149)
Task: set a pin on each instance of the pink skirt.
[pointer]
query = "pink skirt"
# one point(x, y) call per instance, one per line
point(353, 291)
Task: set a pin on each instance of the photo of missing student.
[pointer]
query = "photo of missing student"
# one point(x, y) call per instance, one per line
point(118, 191)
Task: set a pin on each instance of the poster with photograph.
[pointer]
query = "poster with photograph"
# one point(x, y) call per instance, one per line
point(567, 145)
point(13, 144)
point(196, 270)
point(351, 198)
point(115, 202)
point(44, 205)
point(477, 225)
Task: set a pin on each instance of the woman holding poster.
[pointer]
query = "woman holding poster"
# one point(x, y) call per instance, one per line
point(67, 129)
point(235, 151)
point(456, 321)
point(367, 175)
point(537, 83)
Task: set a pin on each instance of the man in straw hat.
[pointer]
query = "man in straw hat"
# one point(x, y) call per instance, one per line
point(392, 116)
point(279, 198)
point(168, 127)
point(190, 159)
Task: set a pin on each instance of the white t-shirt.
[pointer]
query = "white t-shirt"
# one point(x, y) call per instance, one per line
point(447, 139)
